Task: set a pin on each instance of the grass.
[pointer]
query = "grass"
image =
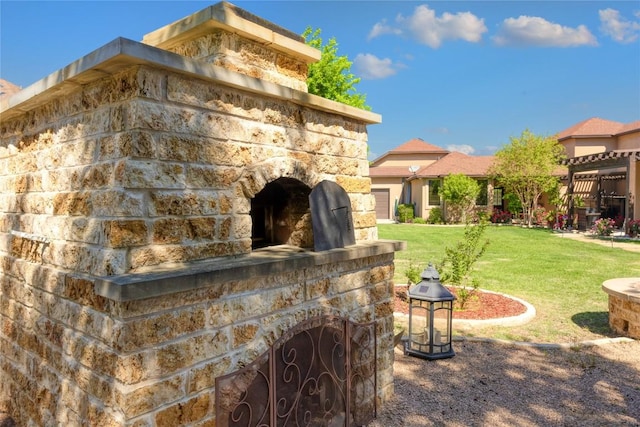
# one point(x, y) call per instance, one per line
point(561, 277)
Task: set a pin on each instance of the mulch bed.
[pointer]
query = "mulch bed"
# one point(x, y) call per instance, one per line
point(483, 305)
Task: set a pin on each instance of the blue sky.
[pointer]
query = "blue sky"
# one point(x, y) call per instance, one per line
point(462, 75)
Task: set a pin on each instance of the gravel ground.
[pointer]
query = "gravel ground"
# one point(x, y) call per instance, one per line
point(495, 384)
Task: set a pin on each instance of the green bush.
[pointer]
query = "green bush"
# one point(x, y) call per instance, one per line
point(419, 220)
point(405, 212)
point(435, 216)
point(413, 274)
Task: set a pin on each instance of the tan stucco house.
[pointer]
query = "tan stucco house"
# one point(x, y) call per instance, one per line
point(413, 172)
point(601, 174)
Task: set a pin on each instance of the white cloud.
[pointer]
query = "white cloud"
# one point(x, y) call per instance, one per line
point(618, 28)
point(536, 31)
point(382, 28)
point(464, 148)
point(370, 67)
point(427, 28)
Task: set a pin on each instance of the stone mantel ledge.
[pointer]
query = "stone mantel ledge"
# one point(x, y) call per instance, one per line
point(121, 54)
point(235, 20)
point(625, 288)
point(168, 279)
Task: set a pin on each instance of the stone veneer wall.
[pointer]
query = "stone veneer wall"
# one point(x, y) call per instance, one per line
point(149, 167)
point(72, 357)
point(624, 305)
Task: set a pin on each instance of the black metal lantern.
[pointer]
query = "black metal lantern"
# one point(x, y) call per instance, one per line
point(430, 316)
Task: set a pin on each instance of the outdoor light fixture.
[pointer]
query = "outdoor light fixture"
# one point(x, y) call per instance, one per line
point(430, 316)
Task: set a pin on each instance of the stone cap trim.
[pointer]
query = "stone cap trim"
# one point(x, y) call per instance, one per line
point(121, 54)
point(233, 19)
point(169, 279)
point(625, 288)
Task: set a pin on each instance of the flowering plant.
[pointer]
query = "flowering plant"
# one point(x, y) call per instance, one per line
point(634, 227)
point(540, 216)
point(500, 217)
point(603, 226)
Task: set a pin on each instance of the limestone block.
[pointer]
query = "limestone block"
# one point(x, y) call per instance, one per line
point(361, 220)
point(183, 203)
point(186, 352)
point(168, 118)
point(118, 203)
point(148, 174)
point(81, 291)
point(244, 333)
point(72, 203)
point(223, 231)
point(354, 184)
point(144, 398)
point(70, 154)
point(213, 97)
point(155, 254)
point(169, 230)
point(126, 144)
point(87, 259)
point(10, 203)
point(200, 177)
point(153, 330)
point(184, 413)
point(138, 82)
point(124, 233)
point(203, 376)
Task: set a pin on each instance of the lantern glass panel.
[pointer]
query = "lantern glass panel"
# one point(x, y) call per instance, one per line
point(441, 326)
point(419, 323)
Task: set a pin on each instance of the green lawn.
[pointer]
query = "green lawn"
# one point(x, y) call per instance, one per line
point(561, 277)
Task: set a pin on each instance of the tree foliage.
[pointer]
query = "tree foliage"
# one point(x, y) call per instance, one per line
point(331, 77)
point(525, 169)
point(459, 193)
point(457, 265)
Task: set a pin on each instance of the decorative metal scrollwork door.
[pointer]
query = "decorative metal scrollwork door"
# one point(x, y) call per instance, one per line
point(320, 373)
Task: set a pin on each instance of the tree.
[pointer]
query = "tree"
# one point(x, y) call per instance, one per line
point(525, 168)
point(459, 193)
point(457, 265)
point(331, 77)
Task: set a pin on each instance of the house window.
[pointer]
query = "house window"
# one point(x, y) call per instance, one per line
point(483, 196)
point(434, 192)
point(497, 197)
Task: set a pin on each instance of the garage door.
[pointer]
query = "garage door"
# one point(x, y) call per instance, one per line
point(382, 203)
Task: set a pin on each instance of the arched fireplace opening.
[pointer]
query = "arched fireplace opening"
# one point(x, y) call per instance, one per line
point(280, 215)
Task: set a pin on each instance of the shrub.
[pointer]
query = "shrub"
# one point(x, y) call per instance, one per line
point(460, 192)
point(435, 216)
point(481, 215)
point(603, 227)
point(419, 220)
point(500, 217)
point(634, 227)
point(413, 274)
point(405, 212)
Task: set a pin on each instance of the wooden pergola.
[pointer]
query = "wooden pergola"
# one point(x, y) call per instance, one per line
point(610, 165)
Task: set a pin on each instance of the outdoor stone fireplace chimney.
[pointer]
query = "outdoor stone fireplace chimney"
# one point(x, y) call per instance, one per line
point(157, 234)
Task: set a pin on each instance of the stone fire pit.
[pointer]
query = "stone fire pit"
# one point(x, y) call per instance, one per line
point(624, 305)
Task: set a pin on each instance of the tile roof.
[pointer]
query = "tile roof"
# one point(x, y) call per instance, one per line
point(456, 162)
point(7, 88)
point(630, 127)
point(417, 145)
point(389, 171)
point(594, 126)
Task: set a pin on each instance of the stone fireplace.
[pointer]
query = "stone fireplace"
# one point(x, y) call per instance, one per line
point(173, 211)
